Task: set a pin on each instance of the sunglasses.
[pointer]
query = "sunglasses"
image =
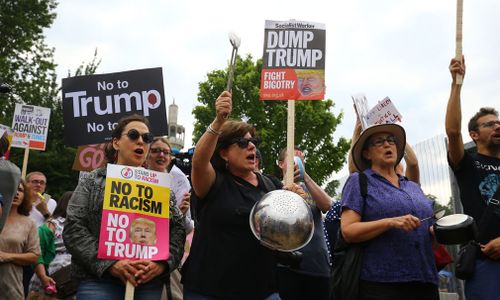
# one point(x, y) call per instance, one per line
point(134, 135)
point(159, 150)
point(243, 142)
point(391, 140)
point(490, 123)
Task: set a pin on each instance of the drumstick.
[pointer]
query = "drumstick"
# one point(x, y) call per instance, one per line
point(458, 38)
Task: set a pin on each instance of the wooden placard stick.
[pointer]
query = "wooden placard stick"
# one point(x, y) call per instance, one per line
point(290, 142)
point(25, 161)
point(458, 37)
point(129, 291)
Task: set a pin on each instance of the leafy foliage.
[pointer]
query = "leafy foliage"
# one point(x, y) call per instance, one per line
point(27, 65)
point(315, 121)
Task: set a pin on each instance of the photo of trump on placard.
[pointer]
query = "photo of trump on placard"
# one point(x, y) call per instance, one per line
point(143, 231)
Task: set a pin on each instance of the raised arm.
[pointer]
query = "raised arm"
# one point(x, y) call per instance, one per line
point(454, 115)
point(355, 137)
point(412, 169)
point(202, 172)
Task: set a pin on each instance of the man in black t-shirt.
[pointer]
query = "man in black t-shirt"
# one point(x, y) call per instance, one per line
point(478, 177)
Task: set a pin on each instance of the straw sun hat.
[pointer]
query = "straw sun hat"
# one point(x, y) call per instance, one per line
point(357, 151)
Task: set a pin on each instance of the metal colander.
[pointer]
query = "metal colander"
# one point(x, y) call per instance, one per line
point(282, 220)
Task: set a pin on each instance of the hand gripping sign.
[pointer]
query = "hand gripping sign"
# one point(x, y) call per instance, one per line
point(135, 214)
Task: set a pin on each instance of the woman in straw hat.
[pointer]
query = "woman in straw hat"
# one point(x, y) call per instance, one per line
point(398, 261)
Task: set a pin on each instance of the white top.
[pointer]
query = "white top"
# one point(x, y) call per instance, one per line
point(37, 217)
point(180, 185)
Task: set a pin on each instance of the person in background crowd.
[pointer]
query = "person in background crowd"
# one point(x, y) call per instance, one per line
point(106, 279)
point(43, 208)
point(40, 212)
point(19, 245)
point(10, 176)
point(398, 260)
point(54, 254)
point(226, 261)
point(311, 279)
point(478, 177)
point(160, 159)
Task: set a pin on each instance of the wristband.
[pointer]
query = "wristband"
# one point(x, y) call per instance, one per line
point(213, 131)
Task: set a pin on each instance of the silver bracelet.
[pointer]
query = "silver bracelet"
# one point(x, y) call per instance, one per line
point(213, 131)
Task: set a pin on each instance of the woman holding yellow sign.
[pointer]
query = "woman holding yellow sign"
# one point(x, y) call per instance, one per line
point(105, 279)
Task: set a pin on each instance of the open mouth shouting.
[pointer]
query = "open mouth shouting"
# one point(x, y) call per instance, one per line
point(139, 152)
point(251, 158)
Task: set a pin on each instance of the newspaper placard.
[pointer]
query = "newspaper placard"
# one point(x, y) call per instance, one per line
point(93, 104)
point(293, 66)
point(31, 126)
point(383, 113)
point(135, 215)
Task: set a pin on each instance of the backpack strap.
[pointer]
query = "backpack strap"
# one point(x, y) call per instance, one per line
point(363, 185)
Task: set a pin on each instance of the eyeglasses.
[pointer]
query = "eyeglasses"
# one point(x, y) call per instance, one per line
point(37, 182)
point(243, 142)
point(490, 123)
point(134, 135)
point(159, 150)
point(391, 140)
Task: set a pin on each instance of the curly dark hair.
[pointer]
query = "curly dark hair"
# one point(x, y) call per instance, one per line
point(110, 152)
point(483, 111)
point(230, 130)
point(62, 205)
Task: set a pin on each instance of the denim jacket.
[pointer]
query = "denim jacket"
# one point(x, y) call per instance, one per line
point(83, 224)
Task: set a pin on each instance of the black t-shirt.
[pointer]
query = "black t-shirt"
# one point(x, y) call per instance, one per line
point(478, 178)
point(226, 261)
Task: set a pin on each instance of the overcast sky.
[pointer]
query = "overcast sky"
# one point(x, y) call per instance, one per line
point(395, 48)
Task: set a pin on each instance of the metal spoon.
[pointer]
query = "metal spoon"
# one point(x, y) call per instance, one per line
point(235, 42)
point(438, 214)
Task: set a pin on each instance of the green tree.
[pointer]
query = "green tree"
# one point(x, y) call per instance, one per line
point(27, 65)
point(331, 188)
point(315, 121)
point(437, 206)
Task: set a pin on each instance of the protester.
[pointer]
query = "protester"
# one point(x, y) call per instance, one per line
point(398, 261)
point(54, 255)
point(105, 279)
point(40, 212)
point(19, 245)
point(226, 261)
point(478, 177)
point(43, 208)
point(10, 175)
point(160, 159)
point(412, 171)
point(311, 279)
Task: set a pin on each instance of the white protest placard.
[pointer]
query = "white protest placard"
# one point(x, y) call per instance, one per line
point(361, 106)
point(31, 126)
point(383, 113)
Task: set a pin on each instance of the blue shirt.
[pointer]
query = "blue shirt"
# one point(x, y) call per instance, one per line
point(395, 255)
